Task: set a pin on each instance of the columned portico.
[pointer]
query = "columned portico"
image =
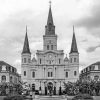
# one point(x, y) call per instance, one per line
point(50, 84)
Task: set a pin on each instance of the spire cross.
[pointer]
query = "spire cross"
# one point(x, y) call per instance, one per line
point(50, 2)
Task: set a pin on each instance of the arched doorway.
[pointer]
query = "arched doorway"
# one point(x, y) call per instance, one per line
point(50, 88)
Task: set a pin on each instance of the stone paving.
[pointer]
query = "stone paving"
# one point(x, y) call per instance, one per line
point(60, 98)
point(54, 97)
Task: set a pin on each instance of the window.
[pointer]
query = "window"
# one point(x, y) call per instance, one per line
point(59, 61)
point(92, 67)
point(75, 73)
point(24, 73)
point(24, 60)
point(51, 47)
point(50, 74)
point(74, 59)
point(12, 69)
point(29, 60)
point(71, 60)
point(3, 78)
point(66, 74)
point(50, 62)
point(9, 68)
point(47, 47)
point(96, 67)
point(89, 68)
point(33, 74)
point(96, 77)
point(40, 61)
point(10, 78)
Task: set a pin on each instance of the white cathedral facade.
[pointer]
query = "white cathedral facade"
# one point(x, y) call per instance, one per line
point(49, 68)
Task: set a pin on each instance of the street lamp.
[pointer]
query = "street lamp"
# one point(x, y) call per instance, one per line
point(60, 89)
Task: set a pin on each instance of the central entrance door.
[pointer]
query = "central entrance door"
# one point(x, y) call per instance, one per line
point(50, 88)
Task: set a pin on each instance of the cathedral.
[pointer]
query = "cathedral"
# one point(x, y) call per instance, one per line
point(49, 69)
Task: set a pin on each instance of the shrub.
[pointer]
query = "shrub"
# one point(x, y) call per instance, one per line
point(14, 98)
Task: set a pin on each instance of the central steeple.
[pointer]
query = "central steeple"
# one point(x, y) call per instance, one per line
point(50, 19)
point(50, 28)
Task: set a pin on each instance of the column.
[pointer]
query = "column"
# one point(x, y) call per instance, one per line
point(55, 72)
point(44, 72)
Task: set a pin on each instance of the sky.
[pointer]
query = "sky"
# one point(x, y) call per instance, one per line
point(16, 14)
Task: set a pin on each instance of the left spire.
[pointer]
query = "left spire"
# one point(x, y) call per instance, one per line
point(26, 48)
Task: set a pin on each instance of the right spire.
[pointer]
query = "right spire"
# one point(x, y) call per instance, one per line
point(74, 44)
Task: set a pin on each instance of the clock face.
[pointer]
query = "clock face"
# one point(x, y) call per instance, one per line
point(50, 56)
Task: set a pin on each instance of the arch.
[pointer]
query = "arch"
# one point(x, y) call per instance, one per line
point(75, 73)
point(47, 47)
point(33, 74)
point(3, 78)
point(10, 78)
point(50, 88)
point(96, 77)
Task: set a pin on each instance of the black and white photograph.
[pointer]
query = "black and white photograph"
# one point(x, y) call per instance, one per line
point(49, 49)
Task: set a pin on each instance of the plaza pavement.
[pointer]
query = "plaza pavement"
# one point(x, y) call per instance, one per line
point(60, 98)
point(54, 97)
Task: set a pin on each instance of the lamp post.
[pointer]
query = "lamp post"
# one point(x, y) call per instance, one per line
point(40, 88)
point(60, 89)
point(45, 88)
point(55, 89)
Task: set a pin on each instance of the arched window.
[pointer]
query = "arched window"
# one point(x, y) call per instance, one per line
point(50, 74)
point(10, 78)
point(33, 74)
point(29, 60)
point(24, 73)
point(24, 60)
point(75, 73)
point(59, 61)
point(47, 47)
point(96, 77)
point(40, 60)
point(74, 59)
point(51, 47)
point(71, 60)
point(66, 74)
point(3, 78)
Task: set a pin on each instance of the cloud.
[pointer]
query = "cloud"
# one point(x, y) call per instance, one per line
point(93, 48)
point(92, 19)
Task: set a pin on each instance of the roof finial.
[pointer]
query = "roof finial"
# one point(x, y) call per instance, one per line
point(50, 3)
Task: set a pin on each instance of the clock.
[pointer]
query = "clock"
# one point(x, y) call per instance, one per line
point(50, 56)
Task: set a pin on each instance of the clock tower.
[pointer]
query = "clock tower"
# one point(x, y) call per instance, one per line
point(50, 38)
